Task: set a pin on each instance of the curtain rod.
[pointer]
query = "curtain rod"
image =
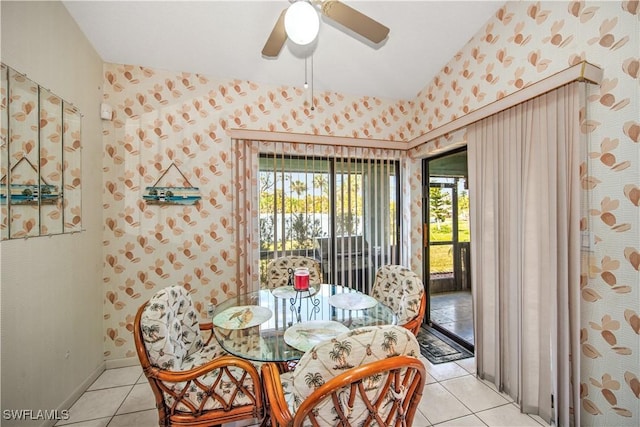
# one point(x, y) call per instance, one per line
point(583, 71)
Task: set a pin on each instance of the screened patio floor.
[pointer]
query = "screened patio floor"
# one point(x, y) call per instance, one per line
point(454, 311)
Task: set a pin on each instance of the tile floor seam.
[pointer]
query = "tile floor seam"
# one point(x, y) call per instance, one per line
point(112, 416)
point(524, 413)
point(472, 411)
point(485, 409)
point(110, 420)
point(456, 398)
point(529, 415)
point(115, 413)
point(76, 401)
point(499, 406)
point(515, 405)
point(460, 417)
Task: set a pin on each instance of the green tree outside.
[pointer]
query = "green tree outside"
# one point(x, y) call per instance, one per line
point(439, 205)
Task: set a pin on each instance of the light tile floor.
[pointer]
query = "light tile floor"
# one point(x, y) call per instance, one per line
point(453, 396)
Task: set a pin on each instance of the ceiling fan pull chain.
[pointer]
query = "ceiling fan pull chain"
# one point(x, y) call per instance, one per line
point(312, 100)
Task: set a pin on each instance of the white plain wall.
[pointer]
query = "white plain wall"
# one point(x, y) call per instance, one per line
point(51, 287)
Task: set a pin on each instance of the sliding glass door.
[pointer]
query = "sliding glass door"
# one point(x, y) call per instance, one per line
point(340, 211)
point(446, 249)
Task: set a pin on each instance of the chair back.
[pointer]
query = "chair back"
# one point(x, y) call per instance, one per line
point(278, 270)
point(403, 291)
point(364, 375)
point(170, 327)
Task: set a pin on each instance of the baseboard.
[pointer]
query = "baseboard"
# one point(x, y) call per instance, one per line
point(108, 364)
point(75, 395)
point(122, 363)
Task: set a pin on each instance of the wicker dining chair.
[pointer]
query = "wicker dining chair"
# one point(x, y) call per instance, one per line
point(367, 376)
point(278, 270)
point(403, 291)
point(195, 383)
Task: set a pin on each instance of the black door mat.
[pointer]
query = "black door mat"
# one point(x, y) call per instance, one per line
point(438, 348)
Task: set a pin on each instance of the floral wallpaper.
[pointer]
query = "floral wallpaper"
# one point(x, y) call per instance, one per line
point(522, 44)
point(166, 117)
point(163, 118)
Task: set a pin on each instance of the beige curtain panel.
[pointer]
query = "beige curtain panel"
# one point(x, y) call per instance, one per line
point(525, 213)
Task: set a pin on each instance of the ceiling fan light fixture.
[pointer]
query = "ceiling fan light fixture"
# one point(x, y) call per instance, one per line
point(301, 22)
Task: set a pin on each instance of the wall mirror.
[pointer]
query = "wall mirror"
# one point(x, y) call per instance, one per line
point(40, 160)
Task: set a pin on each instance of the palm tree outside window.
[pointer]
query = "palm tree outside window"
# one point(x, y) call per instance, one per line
point(341, 211)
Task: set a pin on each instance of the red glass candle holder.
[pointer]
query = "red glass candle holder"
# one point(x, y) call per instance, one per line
point(301, 279)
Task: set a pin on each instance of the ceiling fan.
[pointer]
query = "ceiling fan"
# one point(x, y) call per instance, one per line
point(333, 9)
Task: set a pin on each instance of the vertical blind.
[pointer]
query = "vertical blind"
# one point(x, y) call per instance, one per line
point(339, 205)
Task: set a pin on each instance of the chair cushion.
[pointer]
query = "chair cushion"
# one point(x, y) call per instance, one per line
point(292, 399)
point(348, 350)
point(170, 328)
point(400, 289)
point(202, 356)
point(278, 275)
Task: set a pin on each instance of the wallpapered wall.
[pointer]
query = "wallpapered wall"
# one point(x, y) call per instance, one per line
point(522, 44)
point(164, 117)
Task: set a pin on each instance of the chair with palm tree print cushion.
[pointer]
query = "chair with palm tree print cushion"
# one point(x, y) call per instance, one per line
point(278, 270)
point(194, 381)
point(366, 376)
point(403, 291)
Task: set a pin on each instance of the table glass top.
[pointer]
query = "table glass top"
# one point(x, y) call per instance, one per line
point(253, 325)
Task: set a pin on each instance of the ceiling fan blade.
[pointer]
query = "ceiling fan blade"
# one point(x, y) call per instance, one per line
point(354, 20)
point(276, 39)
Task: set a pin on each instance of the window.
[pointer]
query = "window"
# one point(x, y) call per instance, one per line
point(344, 212)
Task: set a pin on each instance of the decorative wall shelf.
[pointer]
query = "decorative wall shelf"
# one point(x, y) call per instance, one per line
point(158, 195)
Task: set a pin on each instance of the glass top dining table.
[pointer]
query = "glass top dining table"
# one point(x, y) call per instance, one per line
point(279, 325)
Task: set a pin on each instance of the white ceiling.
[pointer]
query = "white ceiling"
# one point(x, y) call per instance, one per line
point(224, 39)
